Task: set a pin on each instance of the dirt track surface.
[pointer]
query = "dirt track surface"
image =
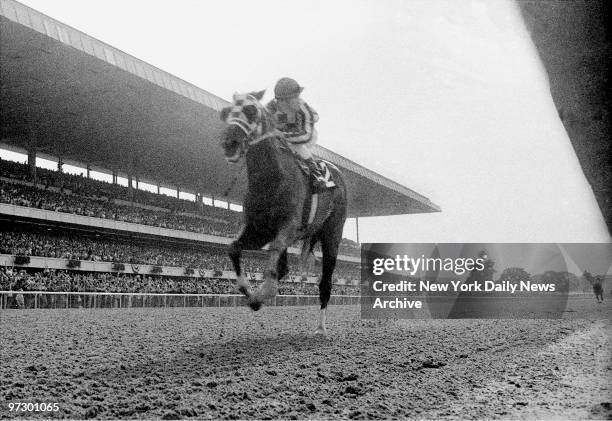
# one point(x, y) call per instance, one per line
point(234, 364)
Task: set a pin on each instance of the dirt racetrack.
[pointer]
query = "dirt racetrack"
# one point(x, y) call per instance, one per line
point(231, 363)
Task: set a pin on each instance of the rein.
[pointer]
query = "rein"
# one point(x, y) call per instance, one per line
point(273, 133)
point(234, 179)
point(249, 142)
point(250, 129)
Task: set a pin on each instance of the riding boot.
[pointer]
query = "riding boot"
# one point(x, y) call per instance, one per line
point(317, 178)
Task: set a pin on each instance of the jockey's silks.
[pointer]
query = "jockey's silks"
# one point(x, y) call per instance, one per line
point(298, 126)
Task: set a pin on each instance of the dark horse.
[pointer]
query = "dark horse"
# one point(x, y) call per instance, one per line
point(598, 289)
point(276, 207)
point(596, 283)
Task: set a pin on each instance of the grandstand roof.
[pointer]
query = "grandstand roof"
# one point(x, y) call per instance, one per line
point(78, 98)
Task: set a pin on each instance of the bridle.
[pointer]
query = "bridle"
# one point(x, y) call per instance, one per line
point(254, 131)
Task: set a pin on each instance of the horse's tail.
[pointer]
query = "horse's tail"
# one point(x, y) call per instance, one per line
point(307, 250)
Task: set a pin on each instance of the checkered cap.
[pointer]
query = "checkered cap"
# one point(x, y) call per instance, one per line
point(287, 88)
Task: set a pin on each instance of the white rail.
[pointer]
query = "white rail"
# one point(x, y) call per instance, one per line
point(55, 300)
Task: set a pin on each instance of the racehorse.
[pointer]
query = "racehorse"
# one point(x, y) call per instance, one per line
point(595, 282)
point(276, 207)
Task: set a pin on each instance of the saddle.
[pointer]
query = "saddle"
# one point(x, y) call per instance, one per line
point(321, 178)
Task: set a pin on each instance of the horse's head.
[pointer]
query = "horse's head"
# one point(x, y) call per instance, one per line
point(247, 122)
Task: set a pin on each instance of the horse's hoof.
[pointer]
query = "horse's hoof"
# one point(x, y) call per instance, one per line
point(322, 332)
point(255, 305)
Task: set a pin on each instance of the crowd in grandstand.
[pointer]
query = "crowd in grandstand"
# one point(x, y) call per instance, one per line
point(29, 196)
point(13, 279)
point(79, 195)
point(75, 194)
point(88, 187)
point(80, 247)
point(111, 250)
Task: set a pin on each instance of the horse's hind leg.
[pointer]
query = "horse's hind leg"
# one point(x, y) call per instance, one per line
point(282, 268)
point(330, 237)
point(325, 286)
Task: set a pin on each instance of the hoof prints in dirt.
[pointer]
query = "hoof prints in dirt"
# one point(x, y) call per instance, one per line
point(170, 364)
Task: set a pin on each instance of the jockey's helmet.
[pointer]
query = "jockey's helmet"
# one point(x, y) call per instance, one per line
point(287, 88)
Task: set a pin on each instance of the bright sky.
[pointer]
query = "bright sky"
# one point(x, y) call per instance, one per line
point(446, 97)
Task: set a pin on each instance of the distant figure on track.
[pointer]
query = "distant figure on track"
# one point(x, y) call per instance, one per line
point(596, 283)
point(598, 289)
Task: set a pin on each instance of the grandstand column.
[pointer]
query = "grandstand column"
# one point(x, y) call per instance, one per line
point(114, 174)
point(60, 165)
point(130, 185)
point(178, 191)
point(32, 157)
point(357, 228)
point(88, 168)
point(158, 189)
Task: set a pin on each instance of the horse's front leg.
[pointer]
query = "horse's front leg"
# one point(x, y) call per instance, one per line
point(277, 261)
point(242, 283)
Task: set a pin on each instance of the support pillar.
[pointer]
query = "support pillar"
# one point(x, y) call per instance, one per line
point(178, 191)
point(357, 228)
point(89, 171)
point(158, 189)
point(130, 185)
point(32, 164)
point(60, 165)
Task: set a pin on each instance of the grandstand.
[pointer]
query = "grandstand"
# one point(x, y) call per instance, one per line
point(76, 101)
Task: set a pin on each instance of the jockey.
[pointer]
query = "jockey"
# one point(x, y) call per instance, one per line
point(296, 119)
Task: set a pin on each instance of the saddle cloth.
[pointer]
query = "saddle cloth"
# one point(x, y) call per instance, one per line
point(318, 206)
point(326, 175)
point(323, 165)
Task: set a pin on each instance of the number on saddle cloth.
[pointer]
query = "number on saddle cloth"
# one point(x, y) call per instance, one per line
point(323, 170)
point(327, 174)
point(303, 164)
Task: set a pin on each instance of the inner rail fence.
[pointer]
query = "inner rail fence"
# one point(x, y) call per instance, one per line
point(59, 300)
